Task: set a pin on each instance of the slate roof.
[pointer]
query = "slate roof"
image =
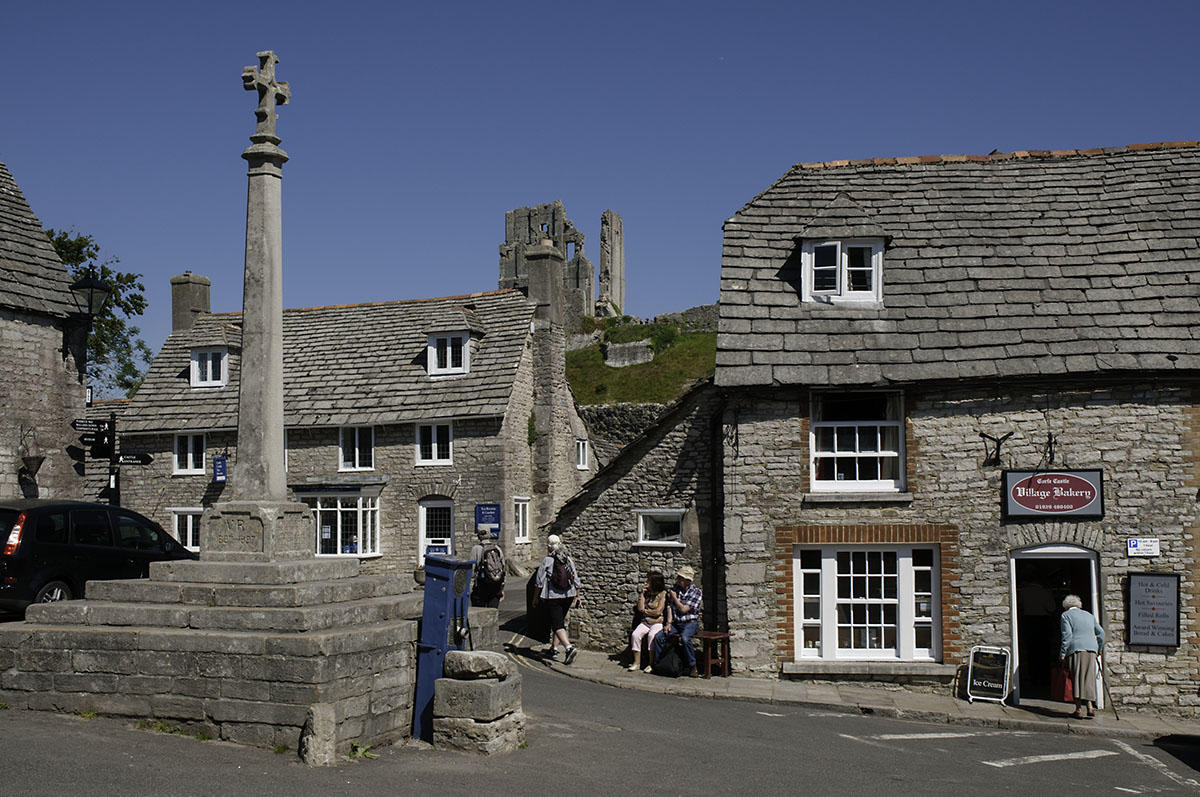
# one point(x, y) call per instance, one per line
point(347, 365)
point(997, 266)
point(32, 278)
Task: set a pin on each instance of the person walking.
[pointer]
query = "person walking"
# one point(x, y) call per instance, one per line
point(1082, 641)
point(488, 589)
point(558, 589)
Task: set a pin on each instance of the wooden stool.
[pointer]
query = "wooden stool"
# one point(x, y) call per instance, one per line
point(716, 651)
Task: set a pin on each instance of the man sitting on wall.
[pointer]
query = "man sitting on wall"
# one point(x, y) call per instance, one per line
point(685, 599)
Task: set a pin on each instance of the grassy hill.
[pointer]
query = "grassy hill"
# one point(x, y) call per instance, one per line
point(680, 358)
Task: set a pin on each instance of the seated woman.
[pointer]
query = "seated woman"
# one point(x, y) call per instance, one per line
point(652, 606)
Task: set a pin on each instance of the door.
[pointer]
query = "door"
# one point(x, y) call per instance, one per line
point(1041, 578)
point(436, 528)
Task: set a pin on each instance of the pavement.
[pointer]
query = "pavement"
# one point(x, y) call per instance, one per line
point(877, 700)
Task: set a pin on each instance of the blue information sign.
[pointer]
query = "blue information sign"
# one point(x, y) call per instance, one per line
point(487, 516)
point(219, 469)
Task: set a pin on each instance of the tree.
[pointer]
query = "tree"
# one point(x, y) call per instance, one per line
point(117, 357)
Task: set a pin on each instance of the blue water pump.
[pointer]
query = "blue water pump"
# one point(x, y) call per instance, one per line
point(445, 625)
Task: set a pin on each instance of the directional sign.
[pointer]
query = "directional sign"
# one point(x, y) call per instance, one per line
point(89, 438)
point(134, 459)
point(90, 425)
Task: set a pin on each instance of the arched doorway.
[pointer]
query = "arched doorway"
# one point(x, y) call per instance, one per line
point(1040, 577)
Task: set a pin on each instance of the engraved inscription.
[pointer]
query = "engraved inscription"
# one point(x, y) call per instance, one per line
point(244, 533)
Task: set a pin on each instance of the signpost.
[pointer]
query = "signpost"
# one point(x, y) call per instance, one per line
point(987, 674)
point(1154, 609)
point(134, 459)
point(91, 425)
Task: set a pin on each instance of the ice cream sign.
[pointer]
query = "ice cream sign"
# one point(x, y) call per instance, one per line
point(1061, 493)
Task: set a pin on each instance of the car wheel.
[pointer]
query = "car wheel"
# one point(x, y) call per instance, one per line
point(53, 591)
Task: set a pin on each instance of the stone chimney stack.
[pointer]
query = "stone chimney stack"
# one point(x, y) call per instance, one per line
point(189, 298)
point(544, 262)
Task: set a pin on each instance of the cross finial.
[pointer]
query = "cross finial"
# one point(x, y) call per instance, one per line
point(270, 93)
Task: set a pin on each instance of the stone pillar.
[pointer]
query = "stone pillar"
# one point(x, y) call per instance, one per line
point(612, 265)
point(545, 263)
point(189, 299)
point(259, 522)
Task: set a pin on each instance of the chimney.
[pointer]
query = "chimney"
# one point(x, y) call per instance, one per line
point(189, 298)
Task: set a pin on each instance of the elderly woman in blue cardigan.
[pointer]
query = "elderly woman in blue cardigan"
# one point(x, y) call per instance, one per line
point(1082, 641)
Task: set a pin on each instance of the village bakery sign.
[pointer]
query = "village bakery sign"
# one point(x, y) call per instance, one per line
point(1057, 493)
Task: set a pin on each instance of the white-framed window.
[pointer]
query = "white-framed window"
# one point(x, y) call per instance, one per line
point(660, 527)
point(867, 602)
point(435, 444)
point(581, 454)
point(449, 354)
point(189, 454)
point(856, 442)
point(435, 526)
point(208, 368)
point(357, 447)
point(185, 525)
point(520, 519)
point(346, 525)
point(842, 271)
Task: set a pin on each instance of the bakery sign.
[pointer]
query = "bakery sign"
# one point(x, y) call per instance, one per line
point(1053, 493)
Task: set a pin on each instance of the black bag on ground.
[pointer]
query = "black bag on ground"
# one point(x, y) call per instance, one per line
point(670, 663)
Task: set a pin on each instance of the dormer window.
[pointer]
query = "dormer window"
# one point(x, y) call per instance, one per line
point(842, 271)
point(208, 368)
point(449, 354)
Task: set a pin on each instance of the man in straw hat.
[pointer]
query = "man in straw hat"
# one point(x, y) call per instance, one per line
point(685, 599)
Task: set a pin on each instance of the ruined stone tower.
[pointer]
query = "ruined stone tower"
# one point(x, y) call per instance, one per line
point(528, 227)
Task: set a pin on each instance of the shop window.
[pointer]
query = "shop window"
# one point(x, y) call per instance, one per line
point(860, 602)
point(346, 525)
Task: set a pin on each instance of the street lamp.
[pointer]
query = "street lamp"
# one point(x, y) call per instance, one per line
point(90, 294)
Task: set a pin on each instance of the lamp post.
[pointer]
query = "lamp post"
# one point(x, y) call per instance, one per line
point(90, 294)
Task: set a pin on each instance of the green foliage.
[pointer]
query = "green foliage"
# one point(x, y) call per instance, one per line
point(280, 749)
point(4, 706)
point(691, 356)
point(158, 726)
point(358, 751)
point(87, 716)
point(201, 736)
point(661, 336)
point(117, 356)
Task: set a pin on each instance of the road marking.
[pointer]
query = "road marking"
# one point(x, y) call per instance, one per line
point(1038, 759)
point(943, 735)
point(827, 714)
point(769, 714)
point(1154, 763)
point(868, 740)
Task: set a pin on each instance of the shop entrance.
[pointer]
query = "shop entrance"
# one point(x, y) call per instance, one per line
point(1041, 578)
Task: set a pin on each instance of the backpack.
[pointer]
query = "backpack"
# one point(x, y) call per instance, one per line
point(491, 567)
point(560, 574)
point(670, 663)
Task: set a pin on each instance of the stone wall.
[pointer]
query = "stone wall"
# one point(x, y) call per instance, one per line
point(38, 401)
point(1143, 437)
point(670, 468)
point(621, 423)
point(696, 319)
point(620, 355)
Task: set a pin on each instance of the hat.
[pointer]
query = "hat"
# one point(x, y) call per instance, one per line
point(554, 542)
point(686, 572)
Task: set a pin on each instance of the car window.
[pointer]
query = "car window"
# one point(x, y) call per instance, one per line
point(91, 527)
point(136, 533)
point(52, 527)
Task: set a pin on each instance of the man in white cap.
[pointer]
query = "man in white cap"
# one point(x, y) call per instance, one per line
point(558, 589)
point(685, 599)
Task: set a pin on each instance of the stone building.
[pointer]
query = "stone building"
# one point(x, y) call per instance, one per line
point(401, 418)
point(910, 351)
point(42, 346)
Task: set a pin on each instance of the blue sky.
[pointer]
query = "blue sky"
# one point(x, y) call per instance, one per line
point(413, 127)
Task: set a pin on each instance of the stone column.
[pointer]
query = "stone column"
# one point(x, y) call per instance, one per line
point(259, 523)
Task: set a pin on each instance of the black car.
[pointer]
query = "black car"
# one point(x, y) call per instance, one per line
point(51, 549)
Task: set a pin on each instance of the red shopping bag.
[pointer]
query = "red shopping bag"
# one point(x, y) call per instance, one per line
point(1061, 687)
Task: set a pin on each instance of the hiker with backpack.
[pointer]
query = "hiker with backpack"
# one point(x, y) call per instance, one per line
point(558, 590)
point(488, 589)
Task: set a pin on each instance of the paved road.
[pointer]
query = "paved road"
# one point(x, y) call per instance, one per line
point(587, 738)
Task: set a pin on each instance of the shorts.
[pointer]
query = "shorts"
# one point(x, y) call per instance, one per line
point(556, 611)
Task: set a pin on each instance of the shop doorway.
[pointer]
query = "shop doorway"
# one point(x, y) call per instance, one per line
point(1041, 578)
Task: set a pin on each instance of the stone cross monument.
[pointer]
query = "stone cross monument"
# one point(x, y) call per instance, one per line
point(259, 523)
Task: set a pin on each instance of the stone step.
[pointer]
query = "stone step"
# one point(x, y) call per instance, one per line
point(288, 572)
point(278, 619)
point(311, 593)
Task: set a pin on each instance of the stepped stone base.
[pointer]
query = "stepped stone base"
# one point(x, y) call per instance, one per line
point(237, 650)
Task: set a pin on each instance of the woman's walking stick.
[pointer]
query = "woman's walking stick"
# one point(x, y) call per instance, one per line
point(1107, 694)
